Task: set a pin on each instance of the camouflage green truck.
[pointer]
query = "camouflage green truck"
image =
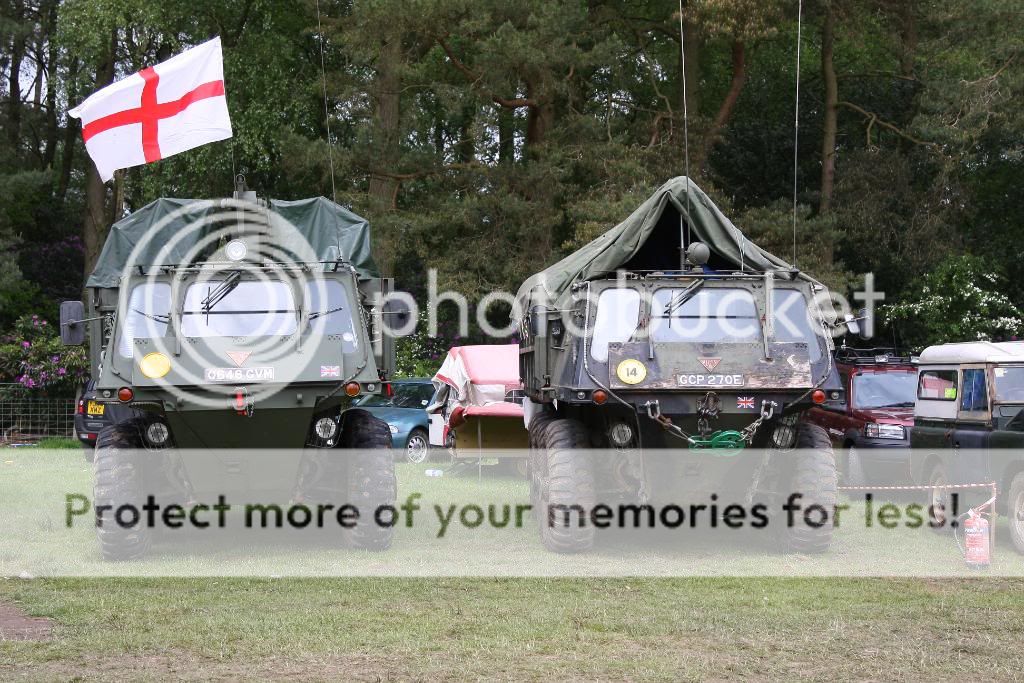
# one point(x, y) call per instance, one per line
point(688, 373)
point(245, 325)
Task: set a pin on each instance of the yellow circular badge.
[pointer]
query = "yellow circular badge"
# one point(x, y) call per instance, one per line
point(631, 371)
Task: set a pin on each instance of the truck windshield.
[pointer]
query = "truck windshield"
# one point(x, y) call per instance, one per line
point(885, 389)
point(792, 321)
point(250, 309)
point(1009, 384)
point(147, 316)
point(404, 396)
point(710, 315)
point(618, 311)
point(331, 315)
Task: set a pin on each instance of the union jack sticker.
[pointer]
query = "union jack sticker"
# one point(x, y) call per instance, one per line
point(333, 371)
point(745, 402)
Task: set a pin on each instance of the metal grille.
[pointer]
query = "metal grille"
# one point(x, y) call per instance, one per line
point(24, 417)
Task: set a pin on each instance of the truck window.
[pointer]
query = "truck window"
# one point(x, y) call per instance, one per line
point(618, 312)
point(331, 316)
point(937, 385)
point(792, 322)
point(715, 314)
point(884, 389)
point(1009, 384)
point(251, 309)
point(146, 317)
point(975, 391)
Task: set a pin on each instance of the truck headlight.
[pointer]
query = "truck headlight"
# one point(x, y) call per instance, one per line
point(157, 433)
point(621, 434)
point(873, 430)
point(325, 428)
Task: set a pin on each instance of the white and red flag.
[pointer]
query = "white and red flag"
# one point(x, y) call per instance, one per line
point(160, 111)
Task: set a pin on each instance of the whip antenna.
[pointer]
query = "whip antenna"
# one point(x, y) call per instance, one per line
point(327, 111)
point(684, 237)
point(796, 117)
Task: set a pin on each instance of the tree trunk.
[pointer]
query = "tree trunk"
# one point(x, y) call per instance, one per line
point(691, 52)
point(538, 119)
point(908, 37)
point(386, 121)
point(14, 77)
point(95, 225)
point(506, 136)
point(467, 145)
point(722, 118)
point(52, 131)
point(829, 124)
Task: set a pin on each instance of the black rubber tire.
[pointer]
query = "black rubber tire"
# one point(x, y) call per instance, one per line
point(119, 481)
point(813, 474)
point(1015, 511)
point(371, 478)
point(563, 475)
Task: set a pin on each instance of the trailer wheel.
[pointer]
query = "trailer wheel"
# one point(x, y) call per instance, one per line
point(813, 475)
point(1015, 511)
point(371, 478)
point(938, 499)
point(562, 485)
point(119, 482)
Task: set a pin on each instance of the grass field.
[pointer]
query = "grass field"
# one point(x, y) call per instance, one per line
point(494, 628)
point(459, 629)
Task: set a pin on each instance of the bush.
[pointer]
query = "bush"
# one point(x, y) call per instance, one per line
point(33, 357)
point(960, 300)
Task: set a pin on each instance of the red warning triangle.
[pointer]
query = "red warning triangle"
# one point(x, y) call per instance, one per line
point(239, 357)
point(710, 363)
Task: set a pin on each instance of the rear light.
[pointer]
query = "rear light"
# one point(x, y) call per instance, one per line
point(352, 389)
point(389, 390)
point(818, 396)
point(125, 394)
point(81, 406)
point(600, 396)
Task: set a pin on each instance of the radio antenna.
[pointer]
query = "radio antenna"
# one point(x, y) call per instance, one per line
point(684, 226)
point(796, 118)
point(327, 111)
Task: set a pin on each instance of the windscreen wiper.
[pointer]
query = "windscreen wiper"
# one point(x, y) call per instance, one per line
point(221, 291)
point(681, 298)
point(160, 318)
point(314, 316)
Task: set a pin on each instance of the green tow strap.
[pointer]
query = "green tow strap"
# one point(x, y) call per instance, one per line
point(727, 443)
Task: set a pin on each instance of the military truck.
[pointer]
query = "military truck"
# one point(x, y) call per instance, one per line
point(237, 324)
point(675, 345)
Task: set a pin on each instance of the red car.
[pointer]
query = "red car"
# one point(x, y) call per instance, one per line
point(870, 423)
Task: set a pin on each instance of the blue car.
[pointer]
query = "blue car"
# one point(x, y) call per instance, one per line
point(404, 411)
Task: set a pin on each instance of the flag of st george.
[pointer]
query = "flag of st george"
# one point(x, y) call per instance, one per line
point(160, 111)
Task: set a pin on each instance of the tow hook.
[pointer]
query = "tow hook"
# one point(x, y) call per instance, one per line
point(654, 412)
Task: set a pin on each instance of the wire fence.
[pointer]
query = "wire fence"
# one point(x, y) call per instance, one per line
point(25, 417)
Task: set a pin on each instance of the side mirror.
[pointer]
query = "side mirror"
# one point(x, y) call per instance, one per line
point(72, 327)
point(396, 314)
point(853, 324)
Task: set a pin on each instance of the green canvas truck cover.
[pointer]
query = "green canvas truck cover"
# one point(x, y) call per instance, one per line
point(615, 248)
point(333, 232)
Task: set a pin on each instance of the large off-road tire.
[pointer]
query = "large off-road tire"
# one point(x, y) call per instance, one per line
point(812, 474)
point(1015, 511)
point(371, 478)
point(562, 482)
point(119, 482)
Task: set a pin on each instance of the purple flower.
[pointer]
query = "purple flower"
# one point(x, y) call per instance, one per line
point(61, 371)
point(54, 359)
point(26, 345)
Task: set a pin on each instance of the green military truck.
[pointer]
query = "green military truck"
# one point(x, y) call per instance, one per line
point(245, 325)
point(675, 367)
point(969, 426)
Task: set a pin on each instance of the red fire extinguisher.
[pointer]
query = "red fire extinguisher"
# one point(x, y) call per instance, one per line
point(976, 549)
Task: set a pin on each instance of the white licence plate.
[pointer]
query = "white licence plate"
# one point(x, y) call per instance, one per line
point(697, 380)
point(265, 374)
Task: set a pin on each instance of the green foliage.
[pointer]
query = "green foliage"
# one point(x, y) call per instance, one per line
point(419, 354)
point(33, 357)
point(962, 299)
